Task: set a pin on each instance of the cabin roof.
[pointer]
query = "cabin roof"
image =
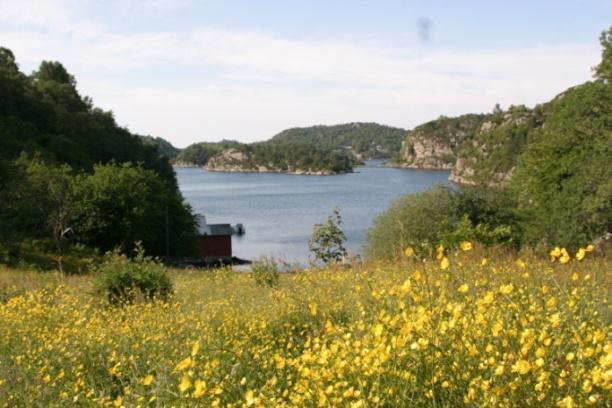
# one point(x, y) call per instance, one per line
point(218, 229)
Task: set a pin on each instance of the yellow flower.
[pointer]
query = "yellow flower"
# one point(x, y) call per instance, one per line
point(444, 264)
point(565, 257)
point(147, 380)
point(409, 252)
point(195, 348)
point(555, 253)
point(520, 263)
point(506, 289)
point(466, 246)
point(199, 388)
point(313, 309)
point(440, 252)
point(589, 248)
point(118, 402)
point(484, 262)
point(185, 383)
point(249, 397)
point(522, 367)
point(567, 402)
point(405, 288)
point(464, 288)
point(185, 364)
point(580, 254)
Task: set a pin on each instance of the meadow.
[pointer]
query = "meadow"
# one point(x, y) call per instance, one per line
point(475, 329)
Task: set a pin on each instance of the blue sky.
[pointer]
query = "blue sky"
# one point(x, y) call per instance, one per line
point(205, 70)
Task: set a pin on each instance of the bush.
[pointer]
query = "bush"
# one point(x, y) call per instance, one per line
point(443, 216)
point(266, 271)
point(416, 220)
point(123, 280)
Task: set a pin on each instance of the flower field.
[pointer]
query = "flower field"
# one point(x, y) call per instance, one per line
point(484, 330)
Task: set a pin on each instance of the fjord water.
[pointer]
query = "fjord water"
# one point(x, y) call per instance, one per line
point(279, 210)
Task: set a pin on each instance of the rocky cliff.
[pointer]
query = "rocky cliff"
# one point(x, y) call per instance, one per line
point(435, 144)
point(478, 149)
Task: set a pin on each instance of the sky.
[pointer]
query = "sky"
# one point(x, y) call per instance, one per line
point(192, 71)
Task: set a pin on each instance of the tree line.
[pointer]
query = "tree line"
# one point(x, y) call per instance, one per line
point(69, 173)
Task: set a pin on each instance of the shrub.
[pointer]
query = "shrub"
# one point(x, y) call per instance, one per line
point(416, 220)
point(327, 241)
point(424, 220)
point(266, 271)
point(122, 279)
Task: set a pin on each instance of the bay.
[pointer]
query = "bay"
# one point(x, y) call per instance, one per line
point(279, 211)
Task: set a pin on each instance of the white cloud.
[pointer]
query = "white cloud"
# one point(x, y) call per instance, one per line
point(253, 85)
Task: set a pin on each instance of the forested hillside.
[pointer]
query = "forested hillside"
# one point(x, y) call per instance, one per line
point(311, 149)
point(197, 154)
point(535, 177)
point(164, 147)
point(70, 174)
point(365, 140)
point(486, 149)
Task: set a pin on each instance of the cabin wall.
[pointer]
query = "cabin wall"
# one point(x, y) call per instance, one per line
point(218, 246)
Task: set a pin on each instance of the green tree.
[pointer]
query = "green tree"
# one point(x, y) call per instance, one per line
point(327, 241)
point(124, 203)
point(563, 180)
point(41, 201)
point(604, 70)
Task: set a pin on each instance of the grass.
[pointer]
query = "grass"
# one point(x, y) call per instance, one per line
point(506, 333)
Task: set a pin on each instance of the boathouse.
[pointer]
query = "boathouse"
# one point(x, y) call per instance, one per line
point(215, 240)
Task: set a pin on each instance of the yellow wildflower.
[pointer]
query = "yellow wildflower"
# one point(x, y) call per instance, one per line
point(444, 263)
point(440, 252)
point(195, 348)
point(466, 246)
point(522, 367)
point(147, 380)
point(313, 308)
point(580, 254)
point(464, 288)
point(555, 253)
point(185, 383)
point(185, 364)
point(199, 388)
point(409, 252)
point(565, 257)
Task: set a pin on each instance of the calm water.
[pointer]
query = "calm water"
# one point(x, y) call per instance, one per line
point(279, 210)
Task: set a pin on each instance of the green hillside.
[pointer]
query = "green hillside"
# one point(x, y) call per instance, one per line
point(70, 174)
point(366, 140)
point(164, 147)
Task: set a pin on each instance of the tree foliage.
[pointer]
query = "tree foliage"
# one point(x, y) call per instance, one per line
point(604, 70)
point(370, 140)
point(327, 241)
point(563, 181)
point(64, 167)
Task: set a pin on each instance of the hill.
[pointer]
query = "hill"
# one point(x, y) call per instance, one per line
point(67, 168)
point(312, 150)
point(197, 154)
point(164, 147)
point(364, 140)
